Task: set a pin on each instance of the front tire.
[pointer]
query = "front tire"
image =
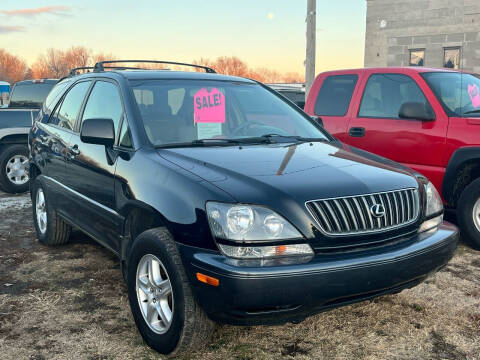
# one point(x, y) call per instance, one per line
point(163, 307)
point(468, 214)
point(50, 228)
point(14, 168)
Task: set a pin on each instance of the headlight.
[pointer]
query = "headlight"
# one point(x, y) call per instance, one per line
point(236, 222)
point(434, 202)
point(434, 206)
point(248, 223)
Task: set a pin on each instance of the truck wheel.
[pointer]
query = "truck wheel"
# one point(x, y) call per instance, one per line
point(468, 213)
point(50, 228)
point(14, 168)
point(165, 311)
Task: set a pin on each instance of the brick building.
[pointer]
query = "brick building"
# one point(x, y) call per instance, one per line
point(434, 33)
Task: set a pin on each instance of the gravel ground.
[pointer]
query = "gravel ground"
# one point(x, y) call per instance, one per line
point(70, 302)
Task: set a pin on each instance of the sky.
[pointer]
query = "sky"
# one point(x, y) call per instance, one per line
point(263, 33)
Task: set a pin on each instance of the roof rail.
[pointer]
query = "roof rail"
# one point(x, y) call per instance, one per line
point(73, 72)
point(99, 66)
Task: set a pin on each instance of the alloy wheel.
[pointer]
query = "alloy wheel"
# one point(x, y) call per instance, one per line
point(154, 294)
point(476, 214)
point(41, 211)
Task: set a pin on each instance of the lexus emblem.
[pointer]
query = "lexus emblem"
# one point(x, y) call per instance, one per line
point(377, 210)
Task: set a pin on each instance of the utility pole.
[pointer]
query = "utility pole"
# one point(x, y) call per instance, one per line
point(311, 39)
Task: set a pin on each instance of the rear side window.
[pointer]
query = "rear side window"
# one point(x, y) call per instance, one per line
point(55, 95)
point(335, 94)
point(66, 115)
point(385, 93)
point(104, 102)
point(29, 95)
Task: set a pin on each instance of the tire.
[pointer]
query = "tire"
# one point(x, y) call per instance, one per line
point(189, 328)
point(53, 230)
point(468, 207)
point(14, 161)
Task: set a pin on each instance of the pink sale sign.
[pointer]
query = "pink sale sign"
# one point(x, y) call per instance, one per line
point(209, 106)
point(474, 95)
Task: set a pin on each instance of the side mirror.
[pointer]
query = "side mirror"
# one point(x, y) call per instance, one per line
point(318, 120)
point(98, 131)
point(417, 111)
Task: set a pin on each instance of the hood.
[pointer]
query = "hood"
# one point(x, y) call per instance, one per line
point(300, 172)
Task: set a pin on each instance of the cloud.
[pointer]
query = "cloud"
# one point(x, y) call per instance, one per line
point(270, 16)
point(9, 29)
point(56, 9)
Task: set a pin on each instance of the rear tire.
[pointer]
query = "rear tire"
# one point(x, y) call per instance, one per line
point(187, 327)
point(14, 168)
point(468, 214)
point(50, 228)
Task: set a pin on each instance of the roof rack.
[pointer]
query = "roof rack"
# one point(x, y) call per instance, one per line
point(73, 72)
point(99, 66)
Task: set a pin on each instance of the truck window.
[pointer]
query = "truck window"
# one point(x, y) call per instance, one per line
point(335, 94)
point(29, 95)
point(385, 93)
point(459, 93)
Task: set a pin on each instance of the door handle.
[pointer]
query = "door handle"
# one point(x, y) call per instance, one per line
point(356, 132)
point(73, 151)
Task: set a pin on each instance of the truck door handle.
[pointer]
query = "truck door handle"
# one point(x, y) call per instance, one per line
point(356, 132)
point(73, 151)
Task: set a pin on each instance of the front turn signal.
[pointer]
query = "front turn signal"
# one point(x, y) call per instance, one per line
point(207, 279)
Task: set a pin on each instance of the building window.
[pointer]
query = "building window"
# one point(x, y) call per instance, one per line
point(451, 58)
point(417, 57)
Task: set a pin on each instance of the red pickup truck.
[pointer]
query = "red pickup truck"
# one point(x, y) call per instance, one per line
point(427, 119)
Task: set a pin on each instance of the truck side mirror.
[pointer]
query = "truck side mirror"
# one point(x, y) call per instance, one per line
point(98, 131)
point(416, 111)
point(318, 120)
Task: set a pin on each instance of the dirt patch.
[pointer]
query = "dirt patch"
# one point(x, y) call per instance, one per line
point(70, 302)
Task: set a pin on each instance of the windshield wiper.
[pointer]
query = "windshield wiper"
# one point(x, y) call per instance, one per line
point(199, 143)
point(267, 138)
point(472, 112)
point(295, 137)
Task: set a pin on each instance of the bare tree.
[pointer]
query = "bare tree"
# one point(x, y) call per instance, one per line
point(235, 66)
point(12, 68)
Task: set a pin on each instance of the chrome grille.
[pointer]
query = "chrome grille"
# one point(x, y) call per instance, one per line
point(353, 214)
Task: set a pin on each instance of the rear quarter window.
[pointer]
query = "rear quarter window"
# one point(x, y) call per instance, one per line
point(335, 95)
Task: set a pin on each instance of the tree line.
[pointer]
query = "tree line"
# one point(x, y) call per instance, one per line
point(57, 63)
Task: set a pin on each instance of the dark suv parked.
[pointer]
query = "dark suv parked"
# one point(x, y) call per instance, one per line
point(225, 202)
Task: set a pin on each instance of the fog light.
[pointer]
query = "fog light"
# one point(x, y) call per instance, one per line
point(262, 252)
point(430, 224)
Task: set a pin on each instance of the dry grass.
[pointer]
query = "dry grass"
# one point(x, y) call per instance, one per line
point(70, 303)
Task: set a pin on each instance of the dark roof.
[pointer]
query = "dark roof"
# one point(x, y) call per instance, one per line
point(40, 81)
point(167, 74)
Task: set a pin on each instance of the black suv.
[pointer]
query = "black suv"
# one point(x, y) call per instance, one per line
point(225, 202)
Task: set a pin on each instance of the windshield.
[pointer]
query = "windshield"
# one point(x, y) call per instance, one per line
point(184, 111)
point(459, 93)
point(29, 95)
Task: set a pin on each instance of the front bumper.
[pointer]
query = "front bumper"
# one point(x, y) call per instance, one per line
point(249, 295)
